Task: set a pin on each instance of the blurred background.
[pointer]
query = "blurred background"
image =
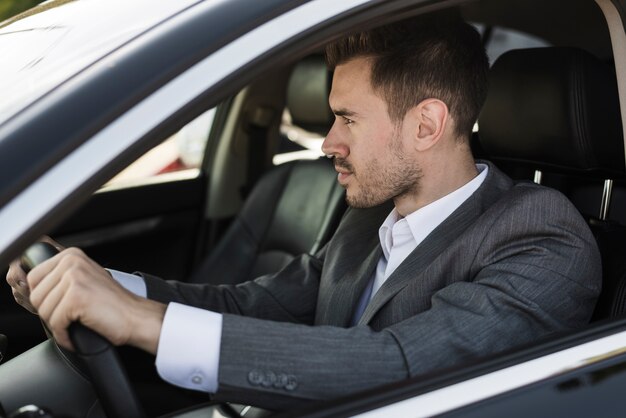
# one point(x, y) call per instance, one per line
point(10, 8)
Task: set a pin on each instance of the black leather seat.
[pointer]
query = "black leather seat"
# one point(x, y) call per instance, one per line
point(555, 111)
point(294, 208)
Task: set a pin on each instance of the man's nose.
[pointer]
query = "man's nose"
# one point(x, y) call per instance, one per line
point(333, 145)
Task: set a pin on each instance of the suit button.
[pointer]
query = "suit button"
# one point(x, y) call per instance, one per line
point(281, 380)
point(269, 378)
point(292, 383)
point(255, 377)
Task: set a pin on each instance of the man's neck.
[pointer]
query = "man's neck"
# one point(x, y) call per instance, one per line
point(438, 181)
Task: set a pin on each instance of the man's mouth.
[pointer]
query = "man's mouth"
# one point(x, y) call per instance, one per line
point(344, 170)
point(343, 174)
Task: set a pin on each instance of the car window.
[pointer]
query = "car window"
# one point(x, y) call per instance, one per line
point(500, 39)
point(296, 143)
point(181, 153)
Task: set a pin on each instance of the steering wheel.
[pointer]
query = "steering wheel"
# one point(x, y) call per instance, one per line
point(108, 376)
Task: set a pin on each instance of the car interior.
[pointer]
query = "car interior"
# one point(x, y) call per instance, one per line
point(242, 216)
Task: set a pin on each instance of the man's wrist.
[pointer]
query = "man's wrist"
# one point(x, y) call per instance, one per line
point(147, 323)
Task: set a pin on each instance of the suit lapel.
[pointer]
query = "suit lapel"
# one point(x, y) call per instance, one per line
point(349, 289)
point(438, 240)
point(352, 257)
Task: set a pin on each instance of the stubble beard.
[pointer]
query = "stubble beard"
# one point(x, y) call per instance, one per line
point(377, 183)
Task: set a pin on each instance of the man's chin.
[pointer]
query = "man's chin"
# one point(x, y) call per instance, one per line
point(361, 202)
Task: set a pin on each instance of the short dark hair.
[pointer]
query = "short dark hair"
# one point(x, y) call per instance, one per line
point(438, 57)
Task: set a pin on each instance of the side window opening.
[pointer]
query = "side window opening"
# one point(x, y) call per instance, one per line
point(181, 153)
point(296, 143)
point(498, 40)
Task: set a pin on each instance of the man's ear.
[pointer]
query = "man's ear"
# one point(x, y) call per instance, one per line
point(432, 117)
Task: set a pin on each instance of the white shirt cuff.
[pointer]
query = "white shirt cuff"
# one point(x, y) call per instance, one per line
point(188, 354)
point(130, 282)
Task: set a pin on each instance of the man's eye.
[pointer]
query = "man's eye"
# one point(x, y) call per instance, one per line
point(347, 121)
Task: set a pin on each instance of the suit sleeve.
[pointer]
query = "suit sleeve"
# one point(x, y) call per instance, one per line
point(287, 296)
point(536, 272)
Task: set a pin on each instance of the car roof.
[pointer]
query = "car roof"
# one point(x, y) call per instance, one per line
point(47, 45)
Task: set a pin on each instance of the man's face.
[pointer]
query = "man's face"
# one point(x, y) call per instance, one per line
point(373, 154)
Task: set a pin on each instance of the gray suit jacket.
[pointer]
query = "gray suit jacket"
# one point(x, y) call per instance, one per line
point(513, 263)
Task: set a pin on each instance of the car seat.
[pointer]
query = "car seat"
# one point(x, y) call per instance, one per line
point(555, 112)
point(294, 208)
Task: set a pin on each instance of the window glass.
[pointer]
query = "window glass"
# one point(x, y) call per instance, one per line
point(297, 143)
point(503, 39)
point(182, 152)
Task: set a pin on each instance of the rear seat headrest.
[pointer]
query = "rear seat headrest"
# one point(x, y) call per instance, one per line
point(553, 108)
point(307, 95)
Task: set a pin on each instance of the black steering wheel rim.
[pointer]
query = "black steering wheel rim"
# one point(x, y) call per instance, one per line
point(106, 372)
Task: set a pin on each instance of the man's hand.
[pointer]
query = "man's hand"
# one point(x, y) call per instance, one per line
point(16, 278)
point(71, 287)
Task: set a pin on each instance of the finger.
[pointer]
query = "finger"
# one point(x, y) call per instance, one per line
point(19, 285)
point(67, 258)
point(16, 277)
point(46, 284)
point(59, 320)
point(17, 280)
point(19, 298)
point(15, 269)
point(51, 300)
point(24, 302)
point(63, 339)
point(40, 272)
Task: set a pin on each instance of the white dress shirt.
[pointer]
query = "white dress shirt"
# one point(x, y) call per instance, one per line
point(185, 357)
point(190, 359)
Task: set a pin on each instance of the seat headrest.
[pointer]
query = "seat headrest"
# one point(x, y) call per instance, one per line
point(553, 108)
point(307, 95)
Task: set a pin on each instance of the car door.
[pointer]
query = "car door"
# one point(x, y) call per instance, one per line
point(147, 218)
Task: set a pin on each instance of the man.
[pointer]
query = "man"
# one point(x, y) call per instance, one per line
point(465, 264)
